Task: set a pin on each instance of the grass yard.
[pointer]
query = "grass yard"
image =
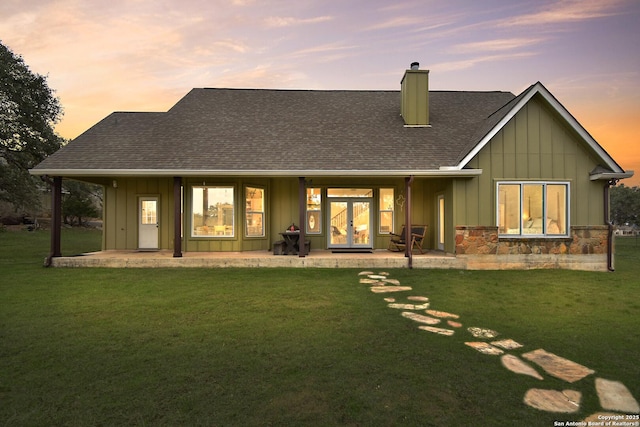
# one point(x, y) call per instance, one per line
point(245, 347)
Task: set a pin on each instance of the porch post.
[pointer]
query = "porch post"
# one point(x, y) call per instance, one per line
point(177, 217)
point(302, 200)
point(408, 249)
point(56, 218)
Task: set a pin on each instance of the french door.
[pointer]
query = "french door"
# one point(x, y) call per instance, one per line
point(350, 221)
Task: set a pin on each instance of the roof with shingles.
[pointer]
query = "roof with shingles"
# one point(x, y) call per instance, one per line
point(285, 130)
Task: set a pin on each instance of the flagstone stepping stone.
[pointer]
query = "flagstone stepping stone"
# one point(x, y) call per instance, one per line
point(408, 306)
point(420, 318)
point(392, 281)
point(615, 396)
point(370, 281)
point(365, 273)
point(389, 299)
point(442, 314)
point(482, 332)
point(439, 331)
point(417, 298)
point(376, 276)
point(557, 366)
point(485, 348)
point(454, 324)
point(567, 401)
point(387, 289)
point(515, 364)
point(508, 344)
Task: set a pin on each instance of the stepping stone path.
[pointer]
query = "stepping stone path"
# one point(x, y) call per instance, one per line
point(515, 364)
point(439, 331)
point(442, 314)
point(558, 366)
point(420, 318)
point(613, 395)
point(409, 306)
point(567, 401)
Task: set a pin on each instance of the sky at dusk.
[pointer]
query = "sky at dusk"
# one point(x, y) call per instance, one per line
point(144, 55)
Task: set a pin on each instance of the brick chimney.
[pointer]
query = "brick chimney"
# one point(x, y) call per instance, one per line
point(415, 96)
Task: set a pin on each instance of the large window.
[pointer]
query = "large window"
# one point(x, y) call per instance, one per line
point(254, 202)
point(212, 211)
point(386, 211)
point(533, 209)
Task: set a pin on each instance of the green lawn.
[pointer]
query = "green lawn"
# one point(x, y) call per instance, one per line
point(240, 347)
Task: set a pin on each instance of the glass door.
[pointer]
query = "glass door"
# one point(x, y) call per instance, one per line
point(350, 222)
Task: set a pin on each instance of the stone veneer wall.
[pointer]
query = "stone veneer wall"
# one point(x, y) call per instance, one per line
point(483, 240)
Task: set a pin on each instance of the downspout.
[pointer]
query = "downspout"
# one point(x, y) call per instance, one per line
point(607, 220)
point(407, 228)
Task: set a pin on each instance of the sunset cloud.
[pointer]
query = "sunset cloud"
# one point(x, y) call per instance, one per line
point(131, 55)
point(475, 61)
point(399, 21)
point(288, 21)
point(496, 45)
point(566, 11)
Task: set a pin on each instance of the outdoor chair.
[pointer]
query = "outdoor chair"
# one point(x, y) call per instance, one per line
point(398, 242)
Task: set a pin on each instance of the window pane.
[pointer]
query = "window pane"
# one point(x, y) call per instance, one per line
point(314, 199)
point(532, 218)
point(556, 209)
point(254, 202)
point(314, 211)
point(349, 192)
point(386, 210)
point(149, 214)
point(509, 209)
point(212, 211)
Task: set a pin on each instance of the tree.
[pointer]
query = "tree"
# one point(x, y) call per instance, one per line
point(28, 111)
point(625, 205)
point(81, 201)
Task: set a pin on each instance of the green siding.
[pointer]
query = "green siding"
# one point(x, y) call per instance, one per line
point(534, 145)
point(121, 211)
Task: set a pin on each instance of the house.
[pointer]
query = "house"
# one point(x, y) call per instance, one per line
point(501, 181)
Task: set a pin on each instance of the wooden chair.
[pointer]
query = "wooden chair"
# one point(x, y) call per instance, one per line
point(398, 242)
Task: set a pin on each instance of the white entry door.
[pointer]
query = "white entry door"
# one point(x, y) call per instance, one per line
point(148, 222)
point(350, 222)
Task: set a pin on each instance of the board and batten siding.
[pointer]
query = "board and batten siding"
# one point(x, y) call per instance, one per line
point(120, 216)
point(534, 145)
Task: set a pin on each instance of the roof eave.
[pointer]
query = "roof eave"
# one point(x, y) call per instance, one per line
point(610, 175)
point(442, 173)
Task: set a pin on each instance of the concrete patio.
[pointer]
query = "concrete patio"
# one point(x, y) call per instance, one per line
point(254, 259)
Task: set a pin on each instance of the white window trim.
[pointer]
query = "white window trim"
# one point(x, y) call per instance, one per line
point(521, 183)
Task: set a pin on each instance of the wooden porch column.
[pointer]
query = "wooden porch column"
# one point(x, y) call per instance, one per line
point(302, 198)
point(408, 249)
point(177, 217)
point(56, 218)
